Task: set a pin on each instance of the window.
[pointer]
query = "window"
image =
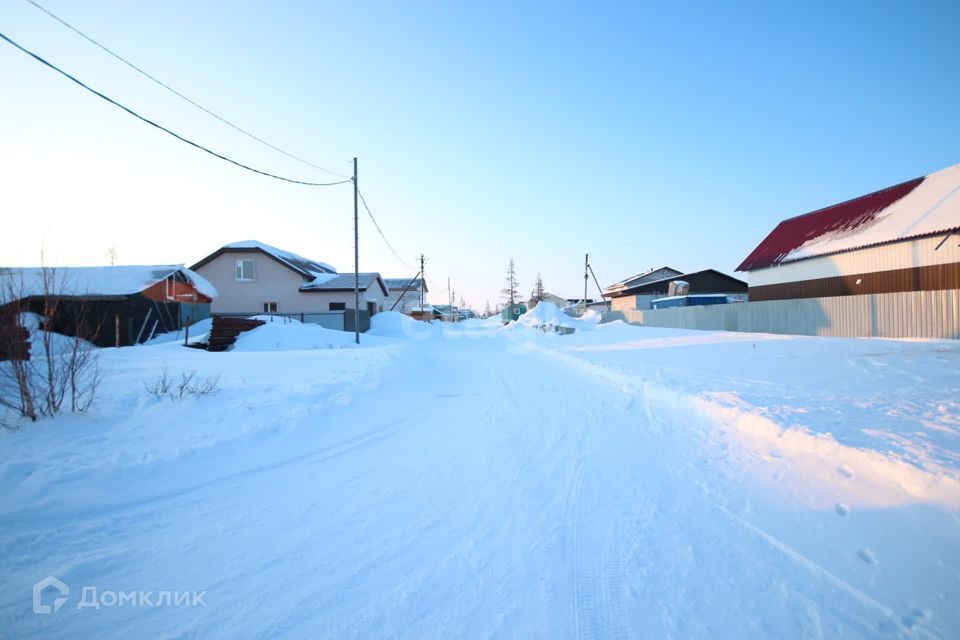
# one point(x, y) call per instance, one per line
point(269, 307)
point(171, 288)
point(246, 270)
point(338, 306)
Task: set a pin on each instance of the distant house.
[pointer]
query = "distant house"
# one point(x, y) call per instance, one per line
point(549, 297)
point(427, 313)
point(404, 294)
point(255, 278)
point(650, 275)
point(905, 238)
point(644, 291)
point(109, 306)
point(446, 312)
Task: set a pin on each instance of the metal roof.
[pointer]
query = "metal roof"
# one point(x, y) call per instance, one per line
point(305, 267)
point(652, 286)
point(645, 276)
point(399, 284)
point(922, 207)
point(344, 282)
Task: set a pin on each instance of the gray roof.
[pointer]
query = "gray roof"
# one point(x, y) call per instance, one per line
point(307, 268)
point(399, 284)
point(345, 282)
point(641, 278)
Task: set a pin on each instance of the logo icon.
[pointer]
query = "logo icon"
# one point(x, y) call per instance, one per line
point(43, 585)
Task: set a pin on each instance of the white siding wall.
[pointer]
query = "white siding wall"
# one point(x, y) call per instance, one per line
point(411, 300)
point(901, 255)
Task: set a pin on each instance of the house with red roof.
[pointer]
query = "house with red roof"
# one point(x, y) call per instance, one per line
point(904, 238)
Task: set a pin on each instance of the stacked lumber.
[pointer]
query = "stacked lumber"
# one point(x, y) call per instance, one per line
point(225, 331)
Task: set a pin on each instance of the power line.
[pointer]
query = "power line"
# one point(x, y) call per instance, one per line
point(177, 93)
point(380, 231)
point(161, 127)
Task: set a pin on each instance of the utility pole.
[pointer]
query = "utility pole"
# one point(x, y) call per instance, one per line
point(356, 257)
point(423, 278)
point(450, 298)
point(586, 267)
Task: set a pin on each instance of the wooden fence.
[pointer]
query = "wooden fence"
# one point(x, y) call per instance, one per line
point(14, 342)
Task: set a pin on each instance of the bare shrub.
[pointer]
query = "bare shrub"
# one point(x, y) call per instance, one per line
point(189, 384)
point(66, 369)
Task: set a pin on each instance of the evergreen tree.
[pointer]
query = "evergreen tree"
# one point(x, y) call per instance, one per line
point(509, 292)
point(487, 312)
point(538, 292)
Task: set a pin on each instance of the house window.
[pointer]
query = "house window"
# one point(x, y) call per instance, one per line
point(171, 287)
point(246, 270)
point(338, 306)
point(269, 307)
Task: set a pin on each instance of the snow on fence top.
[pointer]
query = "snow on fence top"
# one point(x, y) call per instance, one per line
point(921, 207)
point(310, 268)
point(94, 281)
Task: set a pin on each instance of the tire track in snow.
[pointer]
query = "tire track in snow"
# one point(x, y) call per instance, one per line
point(322, 454)
point(595, 555)
point(578, 598)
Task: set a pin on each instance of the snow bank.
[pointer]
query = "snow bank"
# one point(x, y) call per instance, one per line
point(545, 314)
point(392, 324)
point(287, 334)
point(592, 316)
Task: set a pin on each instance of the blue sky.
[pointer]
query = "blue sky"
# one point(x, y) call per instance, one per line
point(646, 134)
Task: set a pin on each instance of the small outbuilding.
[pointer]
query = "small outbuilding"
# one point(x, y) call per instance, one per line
point(109, 306)
point(512, 312)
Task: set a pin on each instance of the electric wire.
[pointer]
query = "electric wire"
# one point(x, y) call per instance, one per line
point(161, 127)
point(380, 231)
point(177, 93)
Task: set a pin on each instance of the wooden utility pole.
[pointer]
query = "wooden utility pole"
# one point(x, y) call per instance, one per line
point(356, 257)
point(423, 278)
point(586, 267)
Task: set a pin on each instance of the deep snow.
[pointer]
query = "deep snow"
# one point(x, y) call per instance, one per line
point(476, 481)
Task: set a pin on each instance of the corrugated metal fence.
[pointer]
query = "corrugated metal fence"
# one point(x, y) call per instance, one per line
point(912, 314)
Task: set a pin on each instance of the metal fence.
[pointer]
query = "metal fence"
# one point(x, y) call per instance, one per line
point(911, 314)
point(337, 320)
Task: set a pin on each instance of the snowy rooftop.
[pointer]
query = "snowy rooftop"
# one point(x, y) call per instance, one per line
point(96, 281)
point(649, 275)
point(921, 207)
point(343, 281)
point(309, 268)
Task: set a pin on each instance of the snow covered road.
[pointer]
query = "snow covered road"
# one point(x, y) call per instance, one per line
point(478, 483)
